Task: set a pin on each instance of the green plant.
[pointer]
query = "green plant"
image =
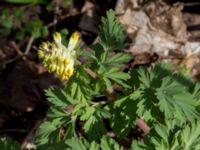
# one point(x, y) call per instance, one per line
point(101, 101)
point(25, 22)
point(26, 1)
point(168, 102)
point(6, 144)
point(34, 2)
point(6, 22)
point(171, 137)
point(34, 27)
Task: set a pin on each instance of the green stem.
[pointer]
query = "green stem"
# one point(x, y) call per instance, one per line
point(105, 55)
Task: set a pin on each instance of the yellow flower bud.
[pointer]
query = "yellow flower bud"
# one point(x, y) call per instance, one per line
point(44, 46)
point(70, 71)
point(57, 37)
point(62, 67)
point(52, 67)
point(40, 54)
point(66, 61)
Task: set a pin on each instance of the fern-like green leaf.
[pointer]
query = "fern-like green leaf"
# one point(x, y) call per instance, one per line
point(59, 98)
point(118, 59)
point(76, 144)
point(47, 134)
point(94, 125)
point(162, 90)
point(79, 87)
point(109, 144)
point(57, 117)
point(111, 32)
point(117, 76)
point(124, 114)
point(185, 137)
point(175, 101)
point(138, 145)
point(190, 136)
point(81, 144)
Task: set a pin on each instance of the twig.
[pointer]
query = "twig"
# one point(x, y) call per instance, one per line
point(11, 60)
point(16, 48)
point(19, 52)
point(110, 90)
point(96, 103)
point(91, 73)
point(30, 137)
point(28, 47)
point(51, 24)
point(191, 4)
point(143, 125)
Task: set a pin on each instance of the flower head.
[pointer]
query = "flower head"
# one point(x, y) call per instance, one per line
point(58, 58)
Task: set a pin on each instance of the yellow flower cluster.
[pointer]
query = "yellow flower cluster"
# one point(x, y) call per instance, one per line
point(58, 58)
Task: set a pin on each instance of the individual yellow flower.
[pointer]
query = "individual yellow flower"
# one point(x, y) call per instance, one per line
point(73, 41)
point(58, 58)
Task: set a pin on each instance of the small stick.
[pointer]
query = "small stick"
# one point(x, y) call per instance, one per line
point(11, 60)
point(28, 47)
point(31, 135)
point(143, 125)
point(191, 4)
point(91, 73)
point(17, 49)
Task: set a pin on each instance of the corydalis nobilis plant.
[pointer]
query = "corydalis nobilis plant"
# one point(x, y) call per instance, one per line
point(83, 114)
point(57, 57)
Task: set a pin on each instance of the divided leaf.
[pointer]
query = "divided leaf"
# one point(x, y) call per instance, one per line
point(47, 134)
point(190, 137)
point(162, 90)
point(94, 125)
point(175, 101)
point(79, 87)
point(117, 76)
point(186, 137)
point(109, 144)
point(59, 98)
point(118, 59)
point(77, 143)
point(57, 117)
point(124, 114)
point(111, 32)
